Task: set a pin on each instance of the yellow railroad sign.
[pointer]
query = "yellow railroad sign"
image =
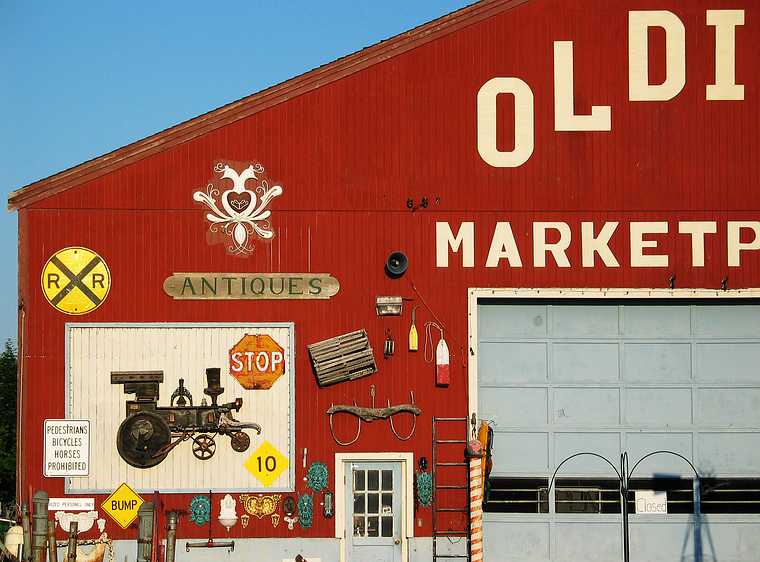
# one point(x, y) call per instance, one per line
point(266, 463)
point(76, 280)
point(122, 505)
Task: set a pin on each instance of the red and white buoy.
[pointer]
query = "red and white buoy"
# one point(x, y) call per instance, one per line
point(442, 370)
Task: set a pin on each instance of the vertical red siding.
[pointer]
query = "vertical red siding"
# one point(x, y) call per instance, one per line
point(351, 153)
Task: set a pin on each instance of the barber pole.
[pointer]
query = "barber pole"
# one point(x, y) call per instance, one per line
point(476, 509)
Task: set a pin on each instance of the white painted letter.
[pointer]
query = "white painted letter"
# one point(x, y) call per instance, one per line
point(465, 239)
point(639, 88)
point(735, 244)
point(565, 118)
point(725, 87)
point(277, 360)
point(503, 246)
point(523, 122)
point(237, 365)
point(697, 229)
point(557, 249)
point(638, 258)
point(599, 245)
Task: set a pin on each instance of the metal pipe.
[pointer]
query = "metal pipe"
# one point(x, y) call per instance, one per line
point(171, 535)
point(52, 545)
point(39, 525)
point(144, 532)
point(26, 552)
point(211, 543)
point(72, 551)
point(624, 483)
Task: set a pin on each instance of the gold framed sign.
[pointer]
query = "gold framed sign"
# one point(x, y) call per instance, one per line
point(251, 286)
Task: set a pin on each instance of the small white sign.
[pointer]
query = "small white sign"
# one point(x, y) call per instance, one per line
point(649, 502)
point(71, 504)
point(67, 448)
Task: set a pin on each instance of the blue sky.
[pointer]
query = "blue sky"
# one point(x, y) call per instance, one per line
point(81, 79)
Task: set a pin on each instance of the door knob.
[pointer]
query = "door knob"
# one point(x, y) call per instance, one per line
point(396, 541)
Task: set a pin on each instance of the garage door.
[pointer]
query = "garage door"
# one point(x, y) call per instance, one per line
point(561, 377)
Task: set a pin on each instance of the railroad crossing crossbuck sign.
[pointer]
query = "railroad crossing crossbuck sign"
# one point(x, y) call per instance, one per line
point(76, 280)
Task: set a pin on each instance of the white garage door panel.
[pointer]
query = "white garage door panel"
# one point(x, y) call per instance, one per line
point(641, 321)
point(607, 377)
point(640, 444)
point(571, 406)
point(518, 542)
point(527, 362)
point(656, 362)
point(528, 406)
point(584, 541)
point(658, 407)
point(525, 452)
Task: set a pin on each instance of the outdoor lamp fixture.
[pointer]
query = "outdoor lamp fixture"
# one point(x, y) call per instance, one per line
point(389, 306)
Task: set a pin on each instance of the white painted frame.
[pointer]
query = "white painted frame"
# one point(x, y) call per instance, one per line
point(476, 294)
point(69, 326)
point(407, 495)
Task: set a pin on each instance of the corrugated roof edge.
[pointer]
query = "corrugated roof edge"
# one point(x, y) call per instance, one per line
point(254, 103)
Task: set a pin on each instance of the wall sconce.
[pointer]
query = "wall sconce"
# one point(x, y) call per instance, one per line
point(389, 306)
point(327, 508)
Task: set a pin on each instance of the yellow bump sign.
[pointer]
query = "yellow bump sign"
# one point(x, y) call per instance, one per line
point(266, 463)
point(76, 280)
point(122, 505)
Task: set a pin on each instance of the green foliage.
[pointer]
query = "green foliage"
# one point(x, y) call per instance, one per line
point(8, 424)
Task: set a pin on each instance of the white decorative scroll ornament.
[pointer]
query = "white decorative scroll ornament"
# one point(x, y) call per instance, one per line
point(227, 515)
point(239, 212)
point(85, 520)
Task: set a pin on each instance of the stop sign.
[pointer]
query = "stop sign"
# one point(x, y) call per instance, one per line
point(257, 361)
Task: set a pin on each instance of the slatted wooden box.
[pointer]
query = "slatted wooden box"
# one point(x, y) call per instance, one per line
point(342, 358)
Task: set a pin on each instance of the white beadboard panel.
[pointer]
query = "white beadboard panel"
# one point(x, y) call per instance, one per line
point(180, 351)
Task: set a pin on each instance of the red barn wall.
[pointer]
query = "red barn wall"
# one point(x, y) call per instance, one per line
point(351, 153)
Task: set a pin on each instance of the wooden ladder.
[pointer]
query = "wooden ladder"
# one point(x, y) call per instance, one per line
point(449, 457)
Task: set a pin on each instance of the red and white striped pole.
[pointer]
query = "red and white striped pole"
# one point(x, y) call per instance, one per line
point(475, 452)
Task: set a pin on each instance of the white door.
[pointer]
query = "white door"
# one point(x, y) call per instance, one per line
point(374, 512)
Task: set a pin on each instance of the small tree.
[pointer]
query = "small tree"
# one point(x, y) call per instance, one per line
point(8, 378)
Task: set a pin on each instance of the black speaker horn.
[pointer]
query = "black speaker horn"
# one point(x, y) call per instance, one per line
point(396, 264)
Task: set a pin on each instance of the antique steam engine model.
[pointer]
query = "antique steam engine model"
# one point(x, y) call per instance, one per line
point(150, 432)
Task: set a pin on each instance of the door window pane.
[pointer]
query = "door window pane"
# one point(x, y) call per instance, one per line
point(387, 504)
point(387, 480)
point(387, 527)
point(372, 527)
point(358, 526)
point(358, 479)
point(372, 503)
point(373, 477)
point(359, 503)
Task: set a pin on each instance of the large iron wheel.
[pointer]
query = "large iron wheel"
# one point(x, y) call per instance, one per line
point(204, 446)
point(140, 438)
point(240, 441)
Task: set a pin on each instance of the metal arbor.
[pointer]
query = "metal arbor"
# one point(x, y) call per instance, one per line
point(624, 477)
